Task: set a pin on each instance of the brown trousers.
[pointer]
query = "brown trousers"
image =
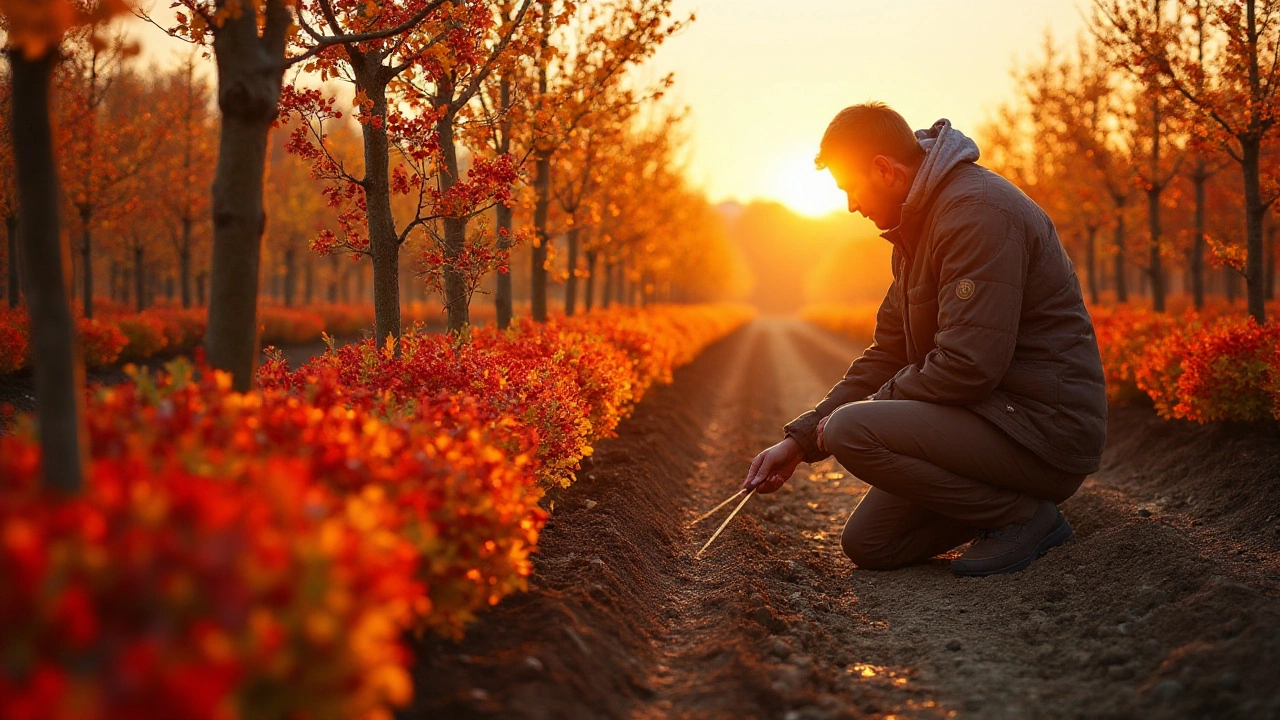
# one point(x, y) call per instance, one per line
point(939, 473)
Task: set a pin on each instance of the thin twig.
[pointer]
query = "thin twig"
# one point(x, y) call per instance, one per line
point(726, 521)
point(712, 511)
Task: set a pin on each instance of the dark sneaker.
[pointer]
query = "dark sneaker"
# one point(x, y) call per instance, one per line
point(1012, 547)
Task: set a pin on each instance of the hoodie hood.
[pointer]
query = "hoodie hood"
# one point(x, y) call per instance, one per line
point(944, 148)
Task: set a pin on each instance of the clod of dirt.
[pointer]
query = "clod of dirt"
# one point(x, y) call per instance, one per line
point(1228, 682)
point(1120, 672)
point(1168, 690)
point(1113, 657)
point(953, 645)
point(591, 504)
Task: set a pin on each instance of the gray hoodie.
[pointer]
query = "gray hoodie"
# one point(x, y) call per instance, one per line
point(944, 148)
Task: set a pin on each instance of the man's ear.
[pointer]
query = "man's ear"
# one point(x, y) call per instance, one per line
point(882, 168)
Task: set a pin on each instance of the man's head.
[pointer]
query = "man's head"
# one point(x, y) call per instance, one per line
point(873, 156)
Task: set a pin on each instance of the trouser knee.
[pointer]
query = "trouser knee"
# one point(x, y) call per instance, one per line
point(847, 430)
point(866, 552)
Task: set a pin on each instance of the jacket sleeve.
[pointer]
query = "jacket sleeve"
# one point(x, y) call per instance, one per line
point(877, 364)
point(982, 268)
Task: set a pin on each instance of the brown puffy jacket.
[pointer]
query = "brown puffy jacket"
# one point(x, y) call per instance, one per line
point(985, 311)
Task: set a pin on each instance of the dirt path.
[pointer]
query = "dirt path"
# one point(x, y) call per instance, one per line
point(1157, 609)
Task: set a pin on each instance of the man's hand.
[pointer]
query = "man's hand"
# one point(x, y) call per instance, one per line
point(774, 466)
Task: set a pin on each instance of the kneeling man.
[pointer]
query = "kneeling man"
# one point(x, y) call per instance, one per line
point(980, 405)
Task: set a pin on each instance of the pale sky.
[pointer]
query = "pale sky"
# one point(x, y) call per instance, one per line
point(764, 77)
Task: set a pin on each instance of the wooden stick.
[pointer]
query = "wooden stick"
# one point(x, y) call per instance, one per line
point(726, 521)
point(712, 511)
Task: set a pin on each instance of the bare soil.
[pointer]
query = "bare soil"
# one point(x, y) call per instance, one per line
point(1166, 605)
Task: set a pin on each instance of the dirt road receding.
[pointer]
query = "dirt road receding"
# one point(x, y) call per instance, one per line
point(1163, 606)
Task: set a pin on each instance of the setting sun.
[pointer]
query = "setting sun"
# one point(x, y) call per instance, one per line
point(804, 189)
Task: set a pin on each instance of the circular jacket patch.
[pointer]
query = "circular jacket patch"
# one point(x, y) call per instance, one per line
point(964, 289)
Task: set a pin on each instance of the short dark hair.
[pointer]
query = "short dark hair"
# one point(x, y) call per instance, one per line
point(860, 132)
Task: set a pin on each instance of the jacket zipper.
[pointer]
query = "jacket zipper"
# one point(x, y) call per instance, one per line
point(909, 341)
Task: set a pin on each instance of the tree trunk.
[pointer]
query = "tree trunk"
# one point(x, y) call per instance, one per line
point(113, 280)
point(589, 293)
point(86, 259)
point(571, 284)
point(334, 275)
point(502, 294)
point(457, 299)
point(1270, 281)
point(55, 346)
point(290, 275)
point(139, 277)
point(250, 73)
point(1155, 266)
point(308, 281)
point(541, 183)
point(1196, 263)
point(1091, 260)
point(607, 290)
point(538, 278)
point(184, 262)
point(15, 285)
point(384, 242)
point(1122, 287)
point(1254, 211)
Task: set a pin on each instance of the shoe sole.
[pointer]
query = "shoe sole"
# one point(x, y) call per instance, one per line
point(1061, 533)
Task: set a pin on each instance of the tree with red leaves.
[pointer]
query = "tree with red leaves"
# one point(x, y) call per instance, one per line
point(411, 89)
point(570, 83)
point(35, 30)
point(1223, 60)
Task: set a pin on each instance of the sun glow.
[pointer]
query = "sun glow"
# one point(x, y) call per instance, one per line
point(804, 189)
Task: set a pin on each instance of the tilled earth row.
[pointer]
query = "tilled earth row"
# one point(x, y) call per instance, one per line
point(1167, 603)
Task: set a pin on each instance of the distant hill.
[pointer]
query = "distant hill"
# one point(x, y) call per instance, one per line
point(797, 259)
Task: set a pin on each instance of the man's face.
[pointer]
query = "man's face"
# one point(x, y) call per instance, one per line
point(877, 189)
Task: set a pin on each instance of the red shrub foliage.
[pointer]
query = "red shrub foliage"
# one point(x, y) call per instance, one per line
point(101, 341)
point(192, 580)
point(268, 549)
point(1205, 366)
point(145, 334)
point(1227, 373)
point(183, 329)
point(13, 341)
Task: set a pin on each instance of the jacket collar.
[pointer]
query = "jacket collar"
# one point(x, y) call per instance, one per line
point(945, 148)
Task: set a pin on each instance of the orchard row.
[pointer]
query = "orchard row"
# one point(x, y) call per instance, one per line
point(266, 551)
point(116, 335)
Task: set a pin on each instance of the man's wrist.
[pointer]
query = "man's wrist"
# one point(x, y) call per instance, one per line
point(794, 448)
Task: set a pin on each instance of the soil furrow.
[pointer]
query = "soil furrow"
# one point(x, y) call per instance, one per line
point(1138, 617)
